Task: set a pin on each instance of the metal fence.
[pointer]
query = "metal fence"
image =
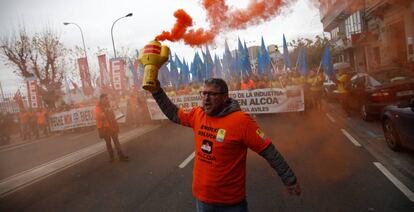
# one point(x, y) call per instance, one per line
point(8, 104)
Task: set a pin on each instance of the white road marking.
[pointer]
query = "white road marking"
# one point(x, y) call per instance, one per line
point(352, 139)
point(330, 118)
point(404, 189)
point(28, 177)
point(187, 160)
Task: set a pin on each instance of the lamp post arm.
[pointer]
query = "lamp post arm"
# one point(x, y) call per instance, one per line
point(112, 34)
point(83, 39)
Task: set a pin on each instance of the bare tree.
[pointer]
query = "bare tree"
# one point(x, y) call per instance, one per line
point(16, 52)
point(314, 49)
point(41, 55)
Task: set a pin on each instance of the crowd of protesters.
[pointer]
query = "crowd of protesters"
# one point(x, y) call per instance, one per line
point(311, 83)
point(6, 125)
point(33, 123)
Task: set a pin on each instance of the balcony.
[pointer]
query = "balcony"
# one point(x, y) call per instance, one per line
point(337, 12)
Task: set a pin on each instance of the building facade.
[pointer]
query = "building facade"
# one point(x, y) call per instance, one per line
point(370, 33)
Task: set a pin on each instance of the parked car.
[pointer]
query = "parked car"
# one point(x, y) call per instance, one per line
point(398, 125)
point(328, 89)
point(369, 93)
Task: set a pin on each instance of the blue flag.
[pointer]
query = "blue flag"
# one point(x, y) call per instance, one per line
point(302, 62)
point(184, 74)
point(218, 70)
point(246, 61)
point(164, 75)
point(227, 62)
point(134, 74)
point(239, 57)
point(264, 62)
point(178, 62)
point(174, 75)
point(140, 68)
point(327, 64)
point(197, 68)
point(286, 57)
point(209, 65)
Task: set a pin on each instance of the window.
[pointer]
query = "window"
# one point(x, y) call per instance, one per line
point(353, 24)
point(334, 33)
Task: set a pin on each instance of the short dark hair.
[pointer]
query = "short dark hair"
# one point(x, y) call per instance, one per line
point(220, 83)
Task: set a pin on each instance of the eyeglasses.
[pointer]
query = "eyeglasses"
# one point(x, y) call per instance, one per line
point(209, 93)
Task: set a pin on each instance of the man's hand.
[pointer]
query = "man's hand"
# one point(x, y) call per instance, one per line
point(294, 189)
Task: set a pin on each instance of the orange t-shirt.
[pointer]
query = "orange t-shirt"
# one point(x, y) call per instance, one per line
point(100, 117)
point(24, 117)
point(41, 117)
point(219, 174)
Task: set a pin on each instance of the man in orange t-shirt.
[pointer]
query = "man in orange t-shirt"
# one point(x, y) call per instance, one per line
point(108, 128)
point(42, 122)
point(222, 135)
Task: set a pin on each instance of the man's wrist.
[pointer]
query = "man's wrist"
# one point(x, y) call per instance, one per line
point(157, 92)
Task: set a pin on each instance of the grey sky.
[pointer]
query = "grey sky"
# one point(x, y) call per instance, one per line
point(150, 17)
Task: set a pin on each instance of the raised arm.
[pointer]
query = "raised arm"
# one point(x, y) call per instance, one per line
point(167, 107)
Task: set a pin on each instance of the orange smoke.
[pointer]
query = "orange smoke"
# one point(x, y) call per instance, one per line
point(183, 22)
point(220, 19)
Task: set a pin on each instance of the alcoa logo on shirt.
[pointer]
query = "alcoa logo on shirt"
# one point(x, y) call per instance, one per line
point(221, 133)
point(260, 134)
point(207, 146)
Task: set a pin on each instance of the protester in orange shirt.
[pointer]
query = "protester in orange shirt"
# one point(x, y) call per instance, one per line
point(247, 84)
point(42, 121)
point(183, 90)
point(108, 127)
point(222, 135)
point(24, 117)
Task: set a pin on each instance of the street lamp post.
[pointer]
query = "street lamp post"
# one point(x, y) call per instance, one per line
point(88, 75)
point(112, 29)
point(83, 40)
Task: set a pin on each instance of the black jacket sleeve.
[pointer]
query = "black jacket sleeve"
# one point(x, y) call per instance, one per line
point(167, 107)
point(278, 163)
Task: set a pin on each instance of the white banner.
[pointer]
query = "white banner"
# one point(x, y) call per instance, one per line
point(81, 117)
point(32, 92)
point(259, 101)
point(117, 73)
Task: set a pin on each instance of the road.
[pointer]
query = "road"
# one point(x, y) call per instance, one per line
point(342, 164)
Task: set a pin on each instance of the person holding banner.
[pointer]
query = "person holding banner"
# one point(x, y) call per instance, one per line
point(296, 78)
point(222, 135)
point(108, 128)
